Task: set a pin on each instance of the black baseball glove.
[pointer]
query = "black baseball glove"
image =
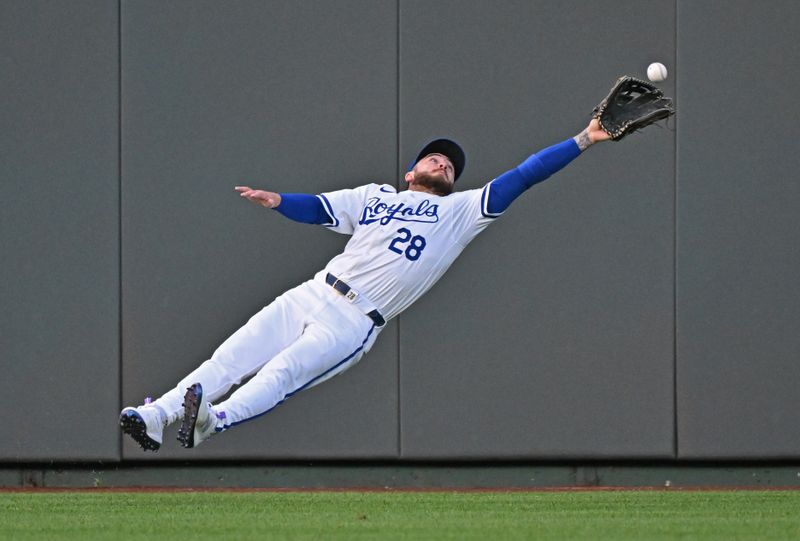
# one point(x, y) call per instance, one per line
point(631, 105)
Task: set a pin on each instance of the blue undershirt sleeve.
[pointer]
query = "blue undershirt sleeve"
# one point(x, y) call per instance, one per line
point(510, 185)
point(302, 207)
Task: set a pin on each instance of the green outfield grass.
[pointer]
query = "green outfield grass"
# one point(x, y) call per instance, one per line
point(495, 516)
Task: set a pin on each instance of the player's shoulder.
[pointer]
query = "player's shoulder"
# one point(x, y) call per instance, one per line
point(385, 188)
point(463, 195)
point(375, 189)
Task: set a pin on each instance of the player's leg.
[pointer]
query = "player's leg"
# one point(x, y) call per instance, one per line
point(334, 342)
point(316, 357)
point(244, 353)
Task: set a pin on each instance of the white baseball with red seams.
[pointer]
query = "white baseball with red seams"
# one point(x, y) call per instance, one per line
point(657, 72)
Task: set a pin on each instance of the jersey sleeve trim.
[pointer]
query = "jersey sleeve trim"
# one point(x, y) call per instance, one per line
point(485, 203)
point(327, 205)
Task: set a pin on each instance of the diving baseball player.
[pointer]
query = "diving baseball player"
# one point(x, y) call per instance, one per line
point(401, 243)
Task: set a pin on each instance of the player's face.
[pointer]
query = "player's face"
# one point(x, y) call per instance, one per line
point(437, 164)
point(434, 173)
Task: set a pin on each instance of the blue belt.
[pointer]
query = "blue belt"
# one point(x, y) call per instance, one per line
point(344, 289)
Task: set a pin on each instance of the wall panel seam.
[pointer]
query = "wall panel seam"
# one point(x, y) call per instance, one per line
point(119, 216)
point(675, 256)
point(398, 169)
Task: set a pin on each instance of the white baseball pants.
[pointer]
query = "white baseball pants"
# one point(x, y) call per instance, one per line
point(304, 337)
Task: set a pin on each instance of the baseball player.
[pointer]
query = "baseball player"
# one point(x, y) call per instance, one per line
point(401, 243)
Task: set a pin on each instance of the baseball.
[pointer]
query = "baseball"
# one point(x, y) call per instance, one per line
point(657, 72)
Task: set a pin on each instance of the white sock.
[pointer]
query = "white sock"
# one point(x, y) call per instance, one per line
point(170, 406)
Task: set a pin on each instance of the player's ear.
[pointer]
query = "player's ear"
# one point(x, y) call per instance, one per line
point(409, 177)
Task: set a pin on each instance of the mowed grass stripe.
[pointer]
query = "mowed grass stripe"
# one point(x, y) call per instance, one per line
point(429, 515)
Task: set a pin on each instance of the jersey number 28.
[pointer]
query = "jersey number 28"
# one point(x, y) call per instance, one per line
point(416, 243)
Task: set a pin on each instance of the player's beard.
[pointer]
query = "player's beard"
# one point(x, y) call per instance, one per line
point(434, 182)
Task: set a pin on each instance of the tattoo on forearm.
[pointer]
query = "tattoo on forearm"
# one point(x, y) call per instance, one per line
point(582, 140)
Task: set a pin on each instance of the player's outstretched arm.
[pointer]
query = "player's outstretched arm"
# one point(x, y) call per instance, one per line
point(264, 198)
point(540, 166)
point(299, 207)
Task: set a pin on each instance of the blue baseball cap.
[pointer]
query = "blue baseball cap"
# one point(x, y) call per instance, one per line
point(448, 148)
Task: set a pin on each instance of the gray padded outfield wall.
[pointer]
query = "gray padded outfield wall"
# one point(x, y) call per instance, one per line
point(641, 304)
point(738, 257)
point(551, 336)
point(59, 230)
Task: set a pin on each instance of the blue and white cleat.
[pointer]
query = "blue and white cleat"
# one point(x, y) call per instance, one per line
point(200, 421)
point(144, 425)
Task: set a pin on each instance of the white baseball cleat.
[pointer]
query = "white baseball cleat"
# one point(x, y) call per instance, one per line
point(144, 424)
point(200, 421)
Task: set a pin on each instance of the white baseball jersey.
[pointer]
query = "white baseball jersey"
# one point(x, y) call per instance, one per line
point(403, 242)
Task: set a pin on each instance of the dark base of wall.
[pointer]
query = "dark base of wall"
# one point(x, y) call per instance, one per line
point(400, 476)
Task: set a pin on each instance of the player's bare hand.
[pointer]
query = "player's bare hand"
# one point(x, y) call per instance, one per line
point(591, 135)
point(264, 198)
point(595, 132)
